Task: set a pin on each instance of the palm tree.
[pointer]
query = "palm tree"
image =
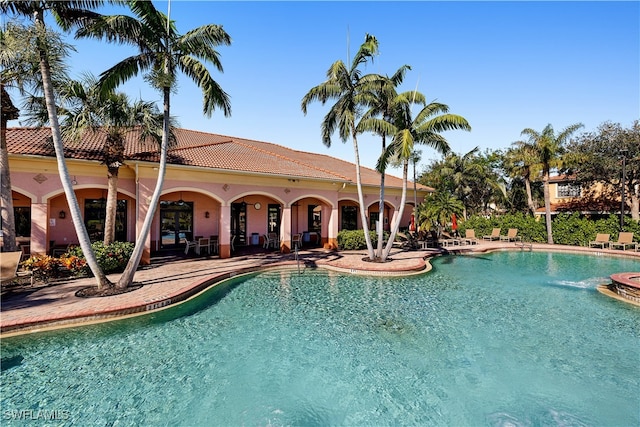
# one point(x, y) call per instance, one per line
point(548, 148)
point(162, 52)
point(437, 210)
point(520, 162)
point(433, 119)
point(461, 171)
point(66, 13)
point(383, 101)
point(416, 156)
point(9, 112)
point(87, 109)
point(351, 91)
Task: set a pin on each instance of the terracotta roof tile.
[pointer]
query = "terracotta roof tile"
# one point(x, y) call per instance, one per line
point(199, 149)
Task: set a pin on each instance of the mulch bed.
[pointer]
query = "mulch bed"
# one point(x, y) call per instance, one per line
point(94, 292)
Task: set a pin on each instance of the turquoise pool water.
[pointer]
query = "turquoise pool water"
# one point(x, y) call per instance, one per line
point(510, 338)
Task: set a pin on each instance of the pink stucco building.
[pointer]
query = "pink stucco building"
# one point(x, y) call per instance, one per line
point(215, 185)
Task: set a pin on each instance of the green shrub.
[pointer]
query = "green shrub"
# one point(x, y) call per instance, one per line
point(112, 258)
point(354, 239)
point(529, 229)
point(568, 229)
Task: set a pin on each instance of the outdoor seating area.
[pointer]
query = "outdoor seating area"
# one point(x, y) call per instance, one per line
point(200, 245)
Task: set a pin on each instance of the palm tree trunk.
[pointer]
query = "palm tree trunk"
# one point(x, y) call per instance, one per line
point(527, 187)
point(130, 270)
point(547, 207)
point(378, 253)
point(72, 201)
point(112, 206)
point(403, 200)
point(363, 215)
point(8, 220)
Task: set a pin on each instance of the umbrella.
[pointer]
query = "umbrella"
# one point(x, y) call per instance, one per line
point(454, 223)
point(412, 226)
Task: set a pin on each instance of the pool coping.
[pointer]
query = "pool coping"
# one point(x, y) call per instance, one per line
point(409, 263)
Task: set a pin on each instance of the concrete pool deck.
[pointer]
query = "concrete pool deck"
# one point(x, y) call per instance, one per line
point(42, 307)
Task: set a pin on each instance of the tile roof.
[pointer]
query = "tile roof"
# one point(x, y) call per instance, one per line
point(200, 149)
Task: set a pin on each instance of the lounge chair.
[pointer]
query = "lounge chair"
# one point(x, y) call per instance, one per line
point(470, 237)
point(624, 240)
point(495, 235)
point(9, 263)
point(602, 240)
point(512, 236)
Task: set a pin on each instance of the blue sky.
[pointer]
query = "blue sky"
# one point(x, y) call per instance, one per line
point(504, 66)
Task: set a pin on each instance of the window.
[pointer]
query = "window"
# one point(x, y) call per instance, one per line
point(94, 216)
point(567, 189)
point(22, 216)
point(349, 218)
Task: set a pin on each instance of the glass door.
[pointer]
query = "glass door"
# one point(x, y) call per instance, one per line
point(239, 223)
point(176, 224)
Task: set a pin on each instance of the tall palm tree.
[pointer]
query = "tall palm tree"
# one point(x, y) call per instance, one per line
point(548, 149)
point(9, 112)
point(66, 13)
point(87, 109)
point(407, 131)
point(351, 91)
point(383, 100)
point(162, 53)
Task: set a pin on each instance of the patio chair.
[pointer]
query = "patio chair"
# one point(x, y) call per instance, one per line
point(470, 237)
point(512, 236)
point(625, 239)
point(202, 244)
point(188, 245)
point(495, 235)
point(271, 241)
point(9, 263)
point(214, 244)
point(602, 240)
point(296, 241)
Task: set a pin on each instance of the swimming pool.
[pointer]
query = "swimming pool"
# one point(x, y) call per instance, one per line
point(509, 338)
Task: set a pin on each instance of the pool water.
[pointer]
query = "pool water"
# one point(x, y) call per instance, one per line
point(509, 338)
